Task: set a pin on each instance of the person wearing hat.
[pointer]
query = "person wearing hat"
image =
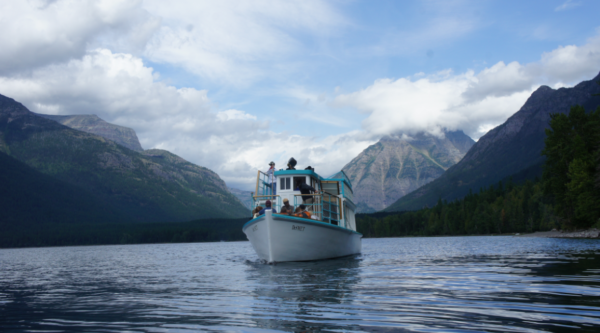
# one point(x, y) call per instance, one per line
point(267, 207)
point(272, 182)
point(287, 209)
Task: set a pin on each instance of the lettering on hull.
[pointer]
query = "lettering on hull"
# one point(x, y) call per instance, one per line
point(298, 227)
point(255, 227)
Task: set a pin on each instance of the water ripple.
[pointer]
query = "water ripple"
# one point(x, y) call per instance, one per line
point(450, 284)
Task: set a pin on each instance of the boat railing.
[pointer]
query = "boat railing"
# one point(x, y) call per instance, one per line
point(322, 206)
point(260, 200)
point(263, 186)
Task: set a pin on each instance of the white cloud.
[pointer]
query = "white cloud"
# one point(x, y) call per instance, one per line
point(37, 33)
point(237, 42)
point(567, 5)
point(234, 115)
point(572, 63)
point(429, 104)
point(121, 90)
point(468, 101)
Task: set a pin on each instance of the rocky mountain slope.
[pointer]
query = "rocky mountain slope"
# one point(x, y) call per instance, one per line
point(511, 148)
point(244, 196)
point(397, 165)
point(153, 185)
point(124, 136)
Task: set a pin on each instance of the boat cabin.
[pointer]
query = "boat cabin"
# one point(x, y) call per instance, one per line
point(331, 202)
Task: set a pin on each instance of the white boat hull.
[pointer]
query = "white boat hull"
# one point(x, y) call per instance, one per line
point(279, 238)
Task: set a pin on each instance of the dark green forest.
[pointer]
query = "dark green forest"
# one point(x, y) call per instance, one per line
point(503, 208)
point(572, 169)
point(66, 234)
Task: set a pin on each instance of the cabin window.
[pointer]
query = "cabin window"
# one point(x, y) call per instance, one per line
point(285, 183)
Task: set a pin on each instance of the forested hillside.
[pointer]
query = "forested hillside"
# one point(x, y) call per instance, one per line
point(500, 208)
point(29, 197)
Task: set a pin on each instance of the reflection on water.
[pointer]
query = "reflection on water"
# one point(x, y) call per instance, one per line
point(503, 284)
point(302, 296)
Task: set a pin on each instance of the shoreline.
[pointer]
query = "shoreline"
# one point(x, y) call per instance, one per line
point(592, 233)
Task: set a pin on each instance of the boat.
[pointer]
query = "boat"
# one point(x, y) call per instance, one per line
point(330, 232)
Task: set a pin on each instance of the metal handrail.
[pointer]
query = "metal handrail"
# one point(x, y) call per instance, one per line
point(325, 207)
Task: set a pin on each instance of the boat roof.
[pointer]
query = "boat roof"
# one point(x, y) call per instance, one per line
point(339, 176)
point(298, 172)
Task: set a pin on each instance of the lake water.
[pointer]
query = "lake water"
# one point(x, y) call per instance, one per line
point(503, 284)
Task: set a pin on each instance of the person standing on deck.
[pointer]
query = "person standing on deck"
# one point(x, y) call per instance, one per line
point(307, 189)
point(272, 182)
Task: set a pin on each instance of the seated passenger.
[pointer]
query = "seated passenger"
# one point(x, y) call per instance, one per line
point(287, 209)
point(303, 212)
point(268, 207)
point(256, 211)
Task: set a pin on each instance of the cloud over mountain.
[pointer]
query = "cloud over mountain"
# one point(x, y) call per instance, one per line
point(472, 102)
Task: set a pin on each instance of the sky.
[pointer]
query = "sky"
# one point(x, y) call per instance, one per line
point(233, 85)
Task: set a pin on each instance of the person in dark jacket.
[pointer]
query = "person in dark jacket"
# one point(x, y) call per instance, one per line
point(307, 189)
point(267, 207)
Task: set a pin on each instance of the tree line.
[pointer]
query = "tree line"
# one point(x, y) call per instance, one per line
point(67, 234)
point(498, 209)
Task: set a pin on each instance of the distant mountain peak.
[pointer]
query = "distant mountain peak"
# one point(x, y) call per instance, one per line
point(93, 124)
point(399, 163)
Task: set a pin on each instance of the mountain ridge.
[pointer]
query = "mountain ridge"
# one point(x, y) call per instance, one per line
point(151, 185)
point(398, 164)
point(93, 124)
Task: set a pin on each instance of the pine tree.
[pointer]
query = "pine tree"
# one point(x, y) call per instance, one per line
point(571, 149)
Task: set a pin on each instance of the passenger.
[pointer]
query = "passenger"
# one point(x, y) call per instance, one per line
point(291, 164)
point(287, 209)
point(303, 212)
point(256, 211)
point(272, 182)
point(267, 207)
point(307, 189)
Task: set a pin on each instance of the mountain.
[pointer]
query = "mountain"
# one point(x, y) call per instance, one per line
point(244, 196)
point(397, 165)
point(29, 196)
point(148, 186)
point(124, 136)
point(513, 148)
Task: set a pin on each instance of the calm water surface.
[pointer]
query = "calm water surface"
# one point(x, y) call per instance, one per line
point(452, 284)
